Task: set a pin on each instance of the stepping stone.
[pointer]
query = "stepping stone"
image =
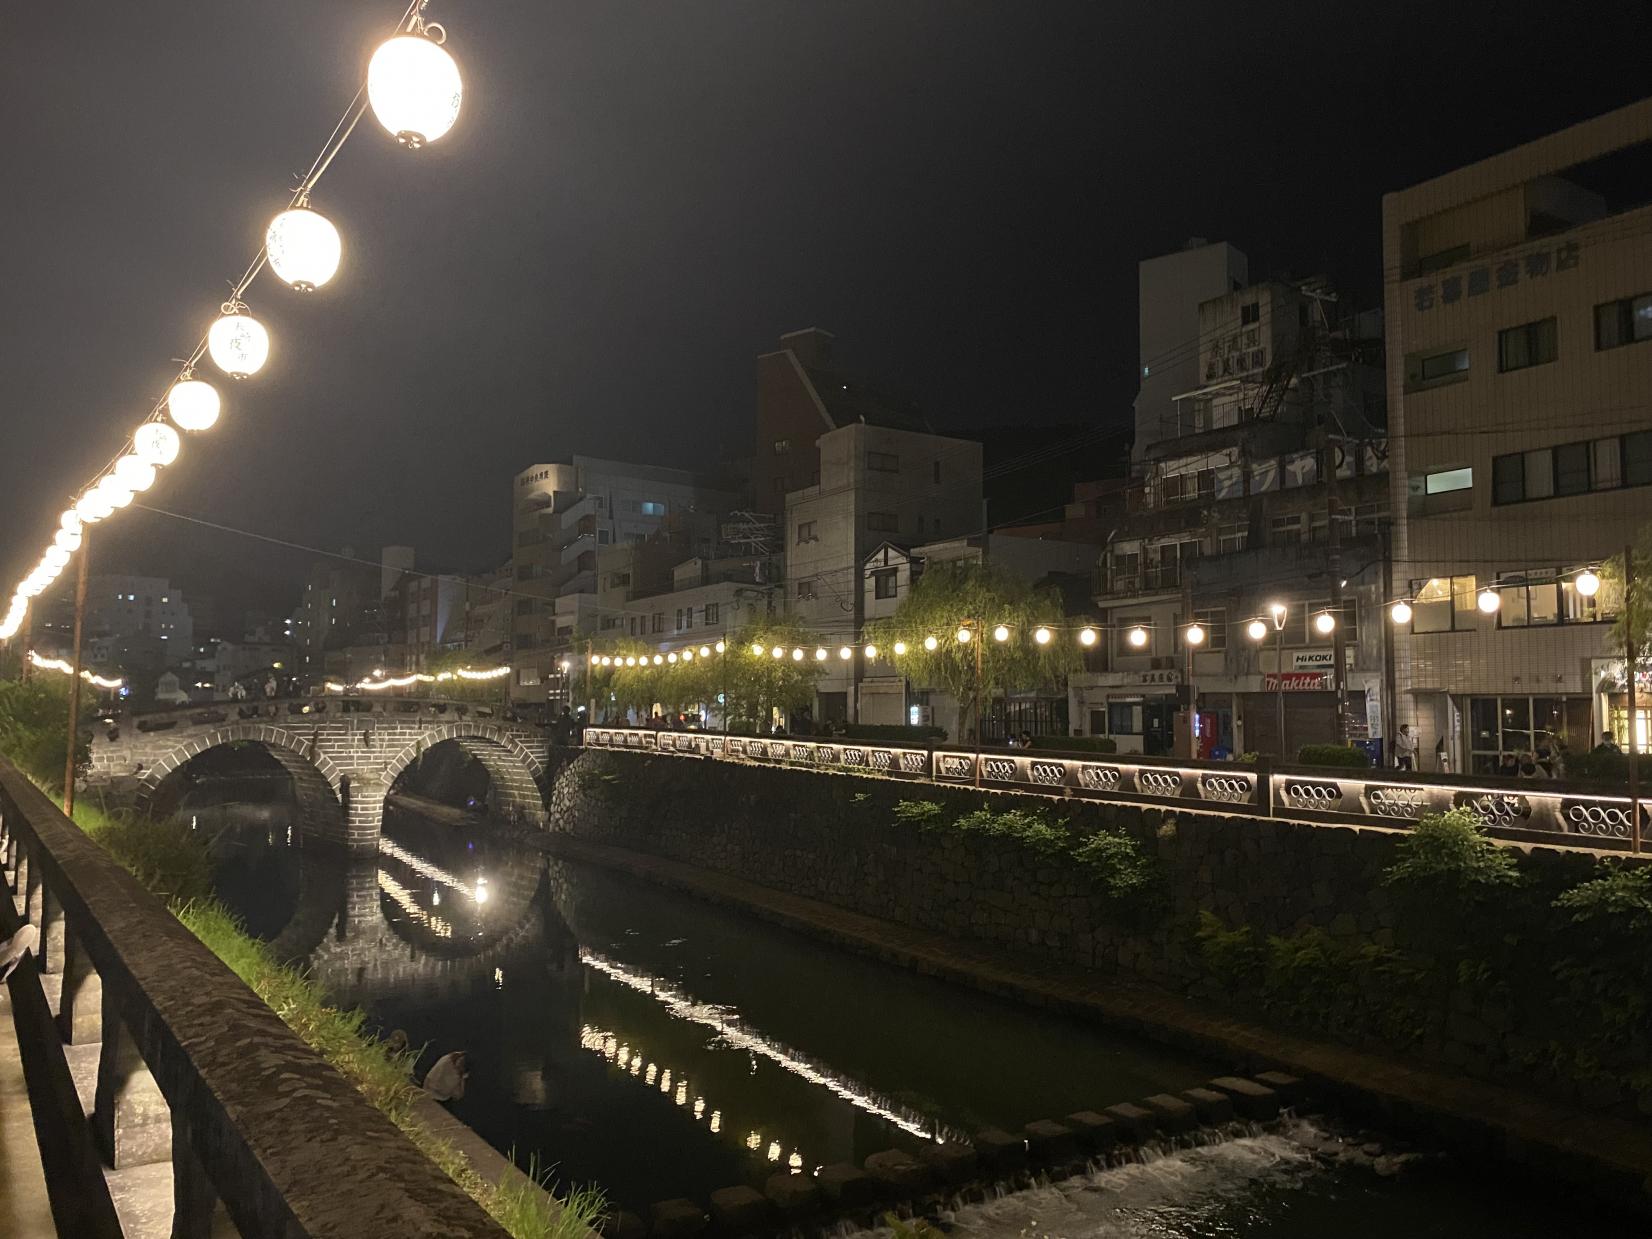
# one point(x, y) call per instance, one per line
point(740, 1210)
point(1134, 1123)
point(897, 1172)
point(1173, 1115)
point(793, 1194)
point(675, 1219)
point(843, 1184)
point(1095, 1132)
point(1212, 1107)
point(1252, 1100)
point(1289, 1088)
point(1050, 1141)
point(999, 1150)
point(953, 1161)
point(621, 1224)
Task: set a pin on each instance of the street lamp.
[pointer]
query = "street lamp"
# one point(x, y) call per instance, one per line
point(1325, 623)
point(1587, 583)
point(1194, 636)
point(1258, 632)
point(1400, 612)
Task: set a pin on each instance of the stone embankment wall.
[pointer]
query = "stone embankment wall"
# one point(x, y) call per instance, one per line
point(1312, 896)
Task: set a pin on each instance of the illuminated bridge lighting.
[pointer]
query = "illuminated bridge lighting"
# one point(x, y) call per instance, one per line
point(710, 1016)
point(434, 872)
point(403, 899)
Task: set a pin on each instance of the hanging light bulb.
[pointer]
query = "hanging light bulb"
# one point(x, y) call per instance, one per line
point(845, 653)
point(1087, 636)
point(1488, 601)
point(670, 658)
point(964, 636)
point(797, 655)
point(757, 648)
point(135, 473)
point(91, 507)
point(688, 656)
point(719, 647)
point(900, 648)
point(1137, 636)
point(705, 650)
point(658, 661)
point(1195, 635)
point(1325, 623)
point(56, 556)
point(157, 443)
point(68, 539)
point(237, 342)
point(778, 652)
point(871, 653)
point(69, 522)
point(1587, 583)
point(193, 404)
point(1041, 635)
point(414, 86)
point(1001, 633)
point(1256, 630)
point(931, 644)
point(303, 247)
point(1400, 612)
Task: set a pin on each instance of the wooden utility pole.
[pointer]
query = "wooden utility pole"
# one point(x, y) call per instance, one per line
point(84, 554)
point(1631, 617)
point(1333, 532)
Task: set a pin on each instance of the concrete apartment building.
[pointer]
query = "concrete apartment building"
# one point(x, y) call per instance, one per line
point(141, 606)
point(1518, 297)
point(1256, 423)
point(563, 513)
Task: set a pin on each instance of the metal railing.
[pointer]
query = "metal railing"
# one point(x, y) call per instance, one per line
point(194, 1068)
point(1551, 812)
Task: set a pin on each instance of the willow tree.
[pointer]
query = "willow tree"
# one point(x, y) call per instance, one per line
point(979, 598)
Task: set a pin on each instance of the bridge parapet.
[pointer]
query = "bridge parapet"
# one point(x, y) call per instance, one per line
point(194, 1068)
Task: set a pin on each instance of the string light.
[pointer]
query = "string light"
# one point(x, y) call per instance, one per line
point(1488, 601)
point(1400, 612)
point(1087, 636)
point(156, 442)
point(237, 342)
point(135, 473)
point(931, 644)
point(1041, 635)
point(303, 248)
point(1194, 635)
point(58, 664)
point(900, 648)
point(871, 653)
point(1256, 630)
point(820, 655)
point(1587, 583)
point(1001, 633)
point(797, 655)
point(192, 403)
point(963, 635)
point(1137, 636)
point(1325, 623)
point(414, 85)
point(777, 652)
point(845, 653)
point(720, 648)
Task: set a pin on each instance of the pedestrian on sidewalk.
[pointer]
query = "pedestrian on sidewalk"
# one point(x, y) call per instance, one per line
point(1405, 749)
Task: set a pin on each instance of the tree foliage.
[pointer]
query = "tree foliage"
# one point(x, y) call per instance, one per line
point(1634, 604)
point(34, 720)
point(951, 595)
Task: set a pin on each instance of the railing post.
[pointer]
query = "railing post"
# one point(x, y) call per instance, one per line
point(18, 856)
point(194, 1199)
point(80, 1010)
point(34, 897)
point(1264, 785)
point(130, 1121)
point(51, 931)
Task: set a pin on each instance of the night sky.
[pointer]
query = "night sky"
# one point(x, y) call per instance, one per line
point(640, 197)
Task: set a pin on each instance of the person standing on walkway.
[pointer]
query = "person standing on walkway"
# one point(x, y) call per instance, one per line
point(1405, 749)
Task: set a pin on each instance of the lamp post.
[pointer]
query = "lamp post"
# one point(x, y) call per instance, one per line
point(1258, 632)
point(1194, 636)
point(83, 555)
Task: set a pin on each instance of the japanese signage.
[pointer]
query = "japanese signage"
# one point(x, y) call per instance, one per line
point(1296, 682)
point(1160, 677)
point(1238, 352)
point(1504, 273)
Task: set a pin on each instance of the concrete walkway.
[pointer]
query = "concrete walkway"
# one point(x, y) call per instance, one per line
point(1603, 1154)
point(25, 1208)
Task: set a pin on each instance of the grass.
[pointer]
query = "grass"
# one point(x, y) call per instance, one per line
point(173, 861)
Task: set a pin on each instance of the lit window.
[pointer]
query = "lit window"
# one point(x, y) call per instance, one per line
point(1448, 480)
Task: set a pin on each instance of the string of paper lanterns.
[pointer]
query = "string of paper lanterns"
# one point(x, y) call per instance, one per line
point(414, 89)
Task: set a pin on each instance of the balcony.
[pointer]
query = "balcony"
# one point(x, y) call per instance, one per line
point(583, 544)
point(1160, 579)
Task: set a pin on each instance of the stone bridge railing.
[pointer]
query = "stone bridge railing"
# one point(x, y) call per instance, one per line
point(193, 1068)
point(1510, 808)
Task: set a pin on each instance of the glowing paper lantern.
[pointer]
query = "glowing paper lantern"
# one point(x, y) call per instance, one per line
point(192, 404)
point(238, 345)
point(303, 248)
point(1587, 583)
point(157, 443)
point(115, 493)
point(1137, 636)
point(414, 87)
point(134, 473)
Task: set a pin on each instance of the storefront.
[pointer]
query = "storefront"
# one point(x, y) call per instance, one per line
point(1611, 702)
point(1518, 725)
point(1136, 708)
point(1304, 702)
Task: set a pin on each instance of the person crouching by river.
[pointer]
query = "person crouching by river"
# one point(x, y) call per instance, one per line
point(446, 1080)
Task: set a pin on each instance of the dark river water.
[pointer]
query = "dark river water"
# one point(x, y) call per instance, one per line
point(658, 1046)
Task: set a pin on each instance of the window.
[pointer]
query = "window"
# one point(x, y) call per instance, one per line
point(806, 588)
point(1287, 530)
point(1529, 598)
point(527, 677)
point(1125, 569)
point(1637, 458)
point(806, 532)
point(524, 606)
point(1439, 366)
point(782, 446)
point(1608, 463)
point(1530, 344)
point(883, 522)
point(711, 613)
point(1214, 620)
point(1518, 725)
point(1441, 259)
point(1250, 313)
point(1123, 718)
point(1508, 478)
point(1448, 480)
point(1628, 321)
point(679, 626)
point(651, 507)
point(1231, 538)
point(1571, 469)
point(883, 462)
point(885, 583)
point(1443, 604)
point(618, 580)
point(659, 621)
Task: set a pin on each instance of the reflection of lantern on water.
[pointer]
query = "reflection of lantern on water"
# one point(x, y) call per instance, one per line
point(795, 1161)
point(699, 1107)
point(609, 1047)
point(665, 1081)
point(636, 1064)
point(624, 1055)
point(651, 1073)
point(716, 1120)
point(682, 1095)
point(774, 1150)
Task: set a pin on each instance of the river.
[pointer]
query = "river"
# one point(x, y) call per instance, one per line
point(658, 1046)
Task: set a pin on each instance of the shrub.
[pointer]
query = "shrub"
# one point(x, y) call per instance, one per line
point(1606, 767)
point(924, 814)
point(1077, 744)
point(1332, 755)
point(1028, 827)
point(1123, 871)
point(898, 733)
point(1449, 855)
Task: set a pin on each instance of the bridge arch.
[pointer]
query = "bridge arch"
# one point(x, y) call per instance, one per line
point(515, 772)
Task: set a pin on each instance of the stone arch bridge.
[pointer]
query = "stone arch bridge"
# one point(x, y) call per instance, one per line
point(344, 755)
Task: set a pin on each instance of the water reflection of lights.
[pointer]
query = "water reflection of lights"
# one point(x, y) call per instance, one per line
point(404, 900)
point(607, 1045)
point(479, 893)
point(715, 1017)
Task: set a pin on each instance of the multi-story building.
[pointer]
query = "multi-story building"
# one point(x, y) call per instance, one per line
point(140, 606)
point(563, 513)
point(889, 573)
point(877, 484)
point(1262, 482)
point(339, 609)
point(487, 615)
point(1519, 315)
